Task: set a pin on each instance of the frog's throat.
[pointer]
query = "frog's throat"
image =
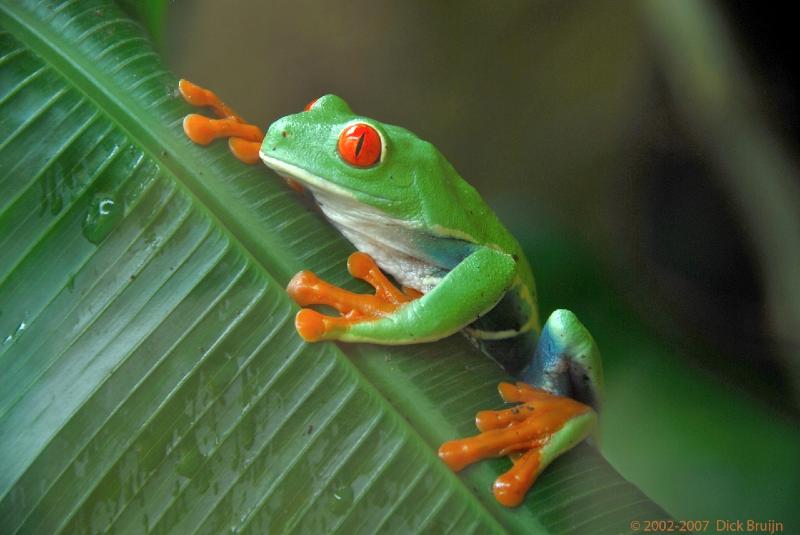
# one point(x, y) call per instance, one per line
point(309, 179)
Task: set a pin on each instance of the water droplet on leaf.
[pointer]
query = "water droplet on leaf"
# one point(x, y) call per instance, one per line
point(17, 332)
point(105, 213)
point(341, 496)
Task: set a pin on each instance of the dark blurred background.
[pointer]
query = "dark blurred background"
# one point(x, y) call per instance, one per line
point(644, 153)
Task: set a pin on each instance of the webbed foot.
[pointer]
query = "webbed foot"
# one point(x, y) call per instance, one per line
point(550, 420)
point(244, 139)
point(533, 433)
point(308, 289)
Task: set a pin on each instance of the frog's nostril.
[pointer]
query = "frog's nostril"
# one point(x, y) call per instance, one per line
point(279, 132)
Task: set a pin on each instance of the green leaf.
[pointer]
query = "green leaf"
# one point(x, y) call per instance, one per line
point(151, 378)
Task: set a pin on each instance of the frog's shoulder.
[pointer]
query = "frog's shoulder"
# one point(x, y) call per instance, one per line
point(452, 208)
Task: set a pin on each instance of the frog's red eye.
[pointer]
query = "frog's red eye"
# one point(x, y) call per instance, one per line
point(360, 145)
point(310, 104)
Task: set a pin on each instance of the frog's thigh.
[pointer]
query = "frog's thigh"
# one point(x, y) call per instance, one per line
point(567, 361)
point(469, 290)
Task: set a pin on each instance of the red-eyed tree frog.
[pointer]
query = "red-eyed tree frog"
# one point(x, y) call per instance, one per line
point(409, 214)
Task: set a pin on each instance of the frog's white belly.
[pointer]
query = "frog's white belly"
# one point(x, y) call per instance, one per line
point(389, 241)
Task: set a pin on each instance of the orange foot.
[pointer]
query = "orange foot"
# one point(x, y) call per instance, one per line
point(522, 432)
point(308, 289)
point(244, 139)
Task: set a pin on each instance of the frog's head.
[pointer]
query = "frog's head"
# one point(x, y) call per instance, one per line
point(334, 152)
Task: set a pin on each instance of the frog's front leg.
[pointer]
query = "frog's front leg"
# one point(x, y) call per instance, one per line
point(244, 139)
point(391, 317)
point(308, 289)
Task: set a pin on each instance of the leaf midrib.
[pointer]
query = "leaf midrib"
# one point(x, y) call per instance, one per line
point(150, 135)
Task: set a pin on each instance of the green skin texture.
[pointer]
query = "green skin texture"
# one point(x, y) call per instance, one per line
point(413, 185)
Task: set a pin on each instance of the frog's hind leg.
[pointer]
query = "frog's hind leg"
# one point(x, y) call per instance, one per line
point(557, 409)
point(533, 433)
point(567, 361)
point(244, 139)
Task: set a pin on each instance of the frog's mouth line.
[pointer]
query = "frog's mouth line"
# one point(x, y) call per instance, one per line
point(294, 172)
point(315, 182)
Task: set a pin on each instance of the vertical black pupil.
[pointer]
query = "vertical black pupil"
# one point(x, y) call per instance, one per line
point(360, 143)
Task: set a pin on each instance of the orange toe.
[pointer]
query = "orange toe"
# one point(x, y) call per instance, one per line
point(310, 325)
point(510, 488)
point(244, 150)
point(302, 288)
point(362, 266)
point(295, 185)
point(194, 94)
point(521, 392)
point(486, 420)
point(199, 129)
point(200, 96)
